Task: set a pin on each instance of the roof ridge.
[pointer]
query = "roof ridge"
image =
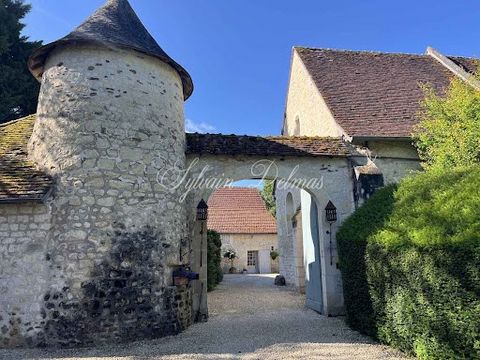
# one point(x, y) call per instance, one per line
point(269, 136)
point(237, 187)
point(16, 120)
point(378, 52)
point(302, 137)
point(372, 52)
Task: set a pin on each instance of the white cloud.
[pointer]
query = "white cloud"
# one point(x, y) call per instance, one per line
point(199, 127)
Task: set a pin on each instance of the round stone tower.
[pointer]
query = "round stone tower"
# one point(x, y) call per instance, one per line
point(110, 120)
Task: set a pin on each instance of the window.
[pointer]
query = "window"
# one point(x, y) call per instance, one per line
point(251, 258)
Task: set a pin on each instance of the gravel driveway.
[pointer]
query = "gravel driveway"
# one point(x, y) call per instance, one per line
point(250, 318)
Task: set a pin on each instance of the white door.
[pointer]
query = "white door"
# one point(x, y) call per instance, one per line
point(265, 264)
point(252, 262)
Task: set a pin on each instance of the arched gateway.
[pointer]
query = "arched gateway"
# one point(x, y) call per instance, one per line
point(98, 193)
point(320, 167)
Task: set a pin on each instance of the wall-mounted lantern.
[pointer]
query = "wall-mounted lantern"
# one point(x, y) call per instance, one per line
point(202, 211)
point(202, 216)
point(331, 216)
point(331, 212)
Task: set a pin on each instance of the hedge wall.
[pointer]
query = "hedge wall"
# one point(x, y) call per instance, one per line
point(410, 261)
point(214, 258)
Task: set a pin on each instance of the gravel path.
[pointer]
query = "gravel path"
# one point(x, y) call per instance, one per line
point(249, 319)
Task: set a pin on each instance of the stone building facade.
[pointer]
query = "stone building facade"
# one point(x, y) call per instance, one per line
point(245, 226)
point(370, 100)
point(97, 211)
point(260, 262)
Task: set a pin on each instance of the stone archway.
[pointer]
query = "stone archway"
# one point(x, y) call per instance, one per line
point(324, 178)
point(293, 259)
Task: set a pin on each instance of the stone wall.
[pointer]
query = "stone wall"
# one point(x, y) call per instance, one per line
point(24, 271)
point(286, 242)
point(306, 113)
point(109, 122)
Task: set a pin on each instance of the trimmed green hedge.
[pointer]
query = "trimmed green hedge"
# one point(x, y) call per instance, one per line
point(214, 258)
point(410, 261)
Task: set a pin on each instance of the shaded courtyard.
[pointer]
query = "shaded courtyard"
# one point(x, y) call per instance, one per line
point(250, 318)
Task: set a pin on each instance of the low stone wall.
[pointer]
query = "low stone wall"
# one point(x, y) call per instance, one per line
point(23, 271)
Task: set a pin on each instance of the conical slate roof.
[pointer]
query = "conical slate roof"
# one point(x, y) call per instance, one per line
point(114, 24)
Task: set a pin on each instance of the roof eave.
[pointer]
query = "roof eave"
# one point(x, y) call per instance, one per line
point(37, 59)
point(357, 139)
point(245, 233)
point(26, 200)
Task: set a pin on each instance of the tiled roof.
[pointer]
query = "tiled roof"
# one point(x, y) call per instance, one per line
point(20, 181)
point(237, 210)
point(375, 94)
point(218, 144)
point(113, 24)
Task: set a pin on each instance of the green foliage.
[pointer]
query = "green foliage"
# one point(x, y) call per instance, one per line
point(412, 276)
point(435, 208)
point(268, 196)
point(274, 254)
point(230, 254)
point(352, 241)
point(18, 88)
point(214, 258)
point(448, 135)
point(426, 301)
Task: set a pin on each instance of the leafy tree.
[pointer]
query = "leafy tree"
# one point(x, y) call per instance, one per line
point(18, 88)
point(449, 133)
point(268, 197)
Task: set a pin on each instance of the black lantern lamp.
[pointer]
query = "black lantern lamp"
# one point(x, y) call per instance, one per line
point(202, 211)
point(331, 216)
point(202, 215)
point(331, 213)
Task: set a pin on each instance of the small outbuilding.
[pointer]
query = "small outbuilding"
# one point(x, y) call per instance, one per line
point(246, 227)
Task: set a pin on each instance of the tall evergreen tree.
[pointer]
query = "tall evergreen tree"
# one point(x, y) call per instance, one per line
point(269, 197)
point(18, 88)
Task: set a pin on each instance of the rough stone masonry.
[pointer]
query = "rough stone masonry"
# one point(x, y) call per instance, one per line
point(101, 251)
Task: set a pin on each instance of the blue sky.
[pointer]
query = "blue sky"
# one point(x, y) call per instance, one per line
point(238, 52)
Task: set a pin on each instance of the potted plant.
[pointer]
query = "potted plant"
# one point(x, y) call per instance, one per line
point(274, 255)
point(231, 255)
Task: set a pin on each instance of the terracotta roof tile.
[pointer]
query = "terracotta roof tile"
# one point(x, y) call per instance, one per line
point(375, 94)
point(218, 144)
point(20, 181)
point(237, 210)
